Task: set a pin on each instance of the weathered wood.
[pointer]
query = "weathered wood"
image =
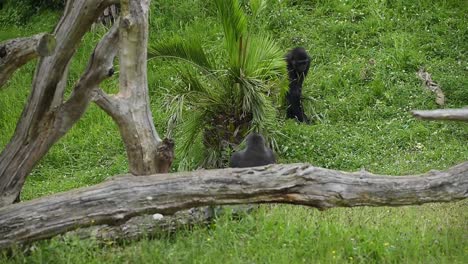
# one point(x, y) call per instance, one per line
point(45, 117)
point(123, 197)
point(109, 16)
point(144, 226)
point(15, 53)
point(442, 114)
point(130, 108)
point(432, 86)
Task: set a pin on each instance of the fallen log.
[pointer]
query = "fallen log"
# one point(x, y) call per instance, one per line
point(442, 114)
point(115, 201)
point(144, 226)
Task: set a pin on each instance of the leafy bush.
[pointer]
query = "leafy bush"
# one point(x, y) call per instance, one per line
point(225, 97)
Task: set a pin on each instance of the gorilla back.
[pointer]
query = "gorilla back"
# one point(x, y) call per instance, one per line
point(255, 154)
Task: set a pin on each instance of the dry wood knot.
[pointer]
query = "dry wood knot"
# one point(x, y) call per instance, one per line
point(166, 149)
point(126, 23)
point(110, 72)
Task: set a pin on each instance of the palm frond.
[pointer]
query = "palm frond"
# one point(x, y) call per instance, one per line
point(193, 92)
point(191, 128)
point(253, 99)
point(234, 23)
point(257, 6)
point(264, 59)
point(189, 50)
point(233, 18)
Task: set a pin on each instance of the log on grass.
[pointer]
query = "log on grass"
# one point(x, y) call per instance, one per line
point(442, 114)
point(144, 226)
point(121, 198)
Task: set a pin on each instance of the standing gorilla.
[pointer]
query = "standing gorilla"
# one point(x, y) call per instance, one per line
point(298, 63)
point(255, 154)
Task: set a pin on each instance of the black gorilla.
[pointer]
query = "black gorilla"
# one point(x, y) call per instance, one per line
point(255, 154)
point(298, 63)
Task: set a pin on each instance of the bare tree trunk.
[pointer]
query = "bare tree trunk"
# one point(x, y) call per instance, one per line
point(130, 108)
point(45, 118)
point(121, 198)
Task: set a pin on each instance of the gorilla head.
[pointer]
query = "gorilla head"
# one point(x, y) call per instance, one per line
point(298, 61)
point(255, 153)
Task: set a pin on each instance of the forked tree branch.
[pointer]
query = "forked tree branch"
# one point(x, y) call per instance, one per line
point(130, 107)
point(108, 103)
point(442, 114)
point(45, 117)
point(15, 53)
point(121, 198)
point(100, 67)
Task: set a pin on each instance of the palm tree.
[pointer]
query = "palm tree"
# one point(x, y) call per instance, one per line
point(222, 101)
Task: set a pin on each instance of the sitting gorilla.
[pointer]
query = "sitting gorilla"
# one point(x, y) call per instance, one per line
point(298, 63)
point(255, 154)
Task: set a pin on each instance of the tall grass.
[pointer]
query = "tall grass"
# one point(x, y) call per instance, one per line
point(359, 90)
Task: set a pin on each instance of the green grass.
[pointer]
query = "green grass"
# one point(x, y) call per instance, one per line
point(361, 121)
point(287, 234)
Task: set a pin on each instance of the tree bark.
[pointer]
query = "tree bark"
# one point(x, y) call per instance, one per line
point(109, 16)
point(144, 226)
point(16, 52)
point(121, 198)
point(444, 114)
point(46, 117)
point(130, 108)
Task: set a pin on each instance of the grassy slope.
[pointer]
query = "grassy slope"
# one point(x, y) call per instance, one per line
point(362, 121)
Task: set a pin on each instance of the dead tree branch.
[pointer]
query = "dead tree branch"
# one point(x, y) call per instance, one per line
point(121, 198)
point(15, 53)
point(442, 114)
point(432, 86)
point(45, 117)
point(130, 108)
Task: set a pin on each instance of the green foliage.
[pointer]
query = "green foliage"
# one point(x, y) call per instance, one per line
point(226, 96)
point(359, 90)
point(258, 6)
point(18, 12)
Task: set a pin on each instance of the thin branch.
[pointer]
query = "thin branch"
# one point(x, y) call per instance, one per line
point(442, 114)
point(15, 53)
point(123, 197)
point(100, 67)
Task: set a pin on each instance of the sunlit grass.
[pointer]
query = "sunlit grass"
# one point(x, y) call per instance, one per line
point(361, 121)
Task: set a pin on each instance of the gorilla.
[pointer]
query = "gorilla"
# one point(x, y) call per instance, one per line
point(298, 63)
point(255, 154)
